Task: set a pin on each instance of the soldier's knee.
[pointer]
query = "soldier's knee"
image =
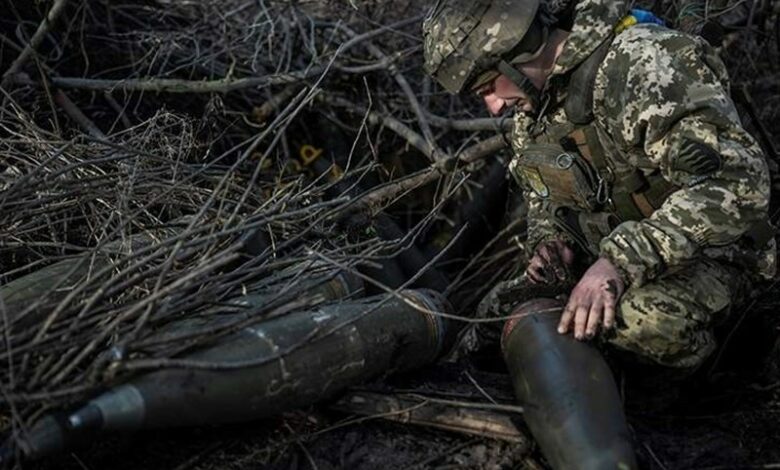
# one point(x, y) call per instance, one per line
point(661, 331)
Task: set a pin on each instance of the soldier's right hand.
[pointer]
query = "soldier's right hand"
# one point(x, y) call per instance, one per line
point(551, 262)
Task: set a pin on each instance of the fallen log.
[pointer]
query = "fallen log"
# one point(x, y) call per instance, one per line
point(476, 419)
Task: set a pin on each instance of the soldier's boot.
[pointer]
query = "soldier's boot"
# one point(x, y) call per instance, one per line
point(571, 402)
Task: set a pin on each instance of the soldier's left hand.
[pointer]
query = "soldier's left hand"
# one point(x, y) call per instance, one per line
point(593, 301)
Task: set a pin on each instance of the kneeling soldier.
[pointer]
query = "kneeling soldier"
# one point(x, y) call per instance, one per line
point(632, 158)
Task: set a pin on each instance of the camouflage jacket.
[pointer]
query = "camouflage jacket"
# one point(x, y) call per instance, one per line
point(655, 91)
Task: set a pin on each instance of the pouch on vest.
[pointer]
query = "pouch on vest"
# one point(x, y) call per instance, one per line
point(560, 176)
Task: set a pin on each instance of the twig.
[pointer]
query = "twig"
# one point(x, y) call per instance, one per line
point(382, 64)
point(373, 117)
point(223, 85)
point(478, 124)
point(264, 111)
point(77, 115)
point(390, 190)
point(655, 457)
point(479, 388)
point(172, 85)
point(303, 448)
point(437, 154)
point(120, 111)
point(40, 33)
point(442, 415)
point(179, 283)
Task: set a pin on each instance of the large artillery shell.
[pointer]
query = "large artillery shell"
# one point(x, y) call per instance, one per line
point(571, 402)
point(36, 293)
point(289, 362)
point(329, 284)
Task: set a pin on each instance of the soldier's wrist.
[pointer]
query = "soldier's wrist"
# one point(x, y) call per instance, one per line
point(621, 272)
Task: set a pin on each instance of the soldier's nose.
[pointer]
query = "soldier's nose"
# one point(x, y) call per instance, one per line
point(494, 104)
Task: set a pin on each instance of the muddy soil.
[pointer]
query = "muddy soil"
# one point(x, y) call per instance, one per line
point(724, 418)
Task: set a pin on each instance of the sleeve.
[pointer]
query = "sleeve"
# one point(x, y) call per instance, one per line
point(540, 225)
point(677, 117)
point(541, 228)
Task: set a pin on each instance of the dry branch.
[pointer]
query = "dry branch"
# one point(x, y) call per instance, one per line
point(43, 29)
point(485, 420)
point(376, 197)
point(211, 169)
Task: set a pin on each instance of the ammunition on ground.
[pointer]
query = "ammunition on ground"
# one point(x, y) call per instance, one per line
point(35, 293)
point(286, 362)
point(321, 284)
point(51, 283)
point(572, 405)
point(320, 280)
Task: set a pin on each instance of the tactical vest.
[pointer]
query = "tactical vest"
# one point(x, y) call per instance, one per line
point(587, 187)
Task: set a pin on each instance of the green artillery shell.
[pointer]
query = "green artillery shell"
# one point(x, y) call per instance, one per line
point(571, 402)
point(53, 283)
point(287, 362)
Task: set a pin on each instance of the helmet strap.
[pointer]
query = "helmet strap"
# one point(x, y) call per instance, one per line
point(521, 81)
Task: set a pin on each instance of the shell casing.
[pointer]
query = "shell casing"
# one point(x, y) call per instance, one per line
point(267, 368)
point(301, 358)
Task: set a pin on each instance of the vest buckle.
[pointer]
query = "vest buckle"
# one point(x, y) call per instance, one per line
point(602, 190)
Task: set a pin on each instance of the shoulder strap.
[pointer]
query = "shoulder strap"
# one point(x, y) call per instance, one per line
point(521, 81)
point(579, 94)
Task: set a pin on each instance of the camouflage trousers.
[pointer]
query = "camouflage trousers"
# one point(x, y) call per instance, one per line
point(671, 321)
point(668, 322)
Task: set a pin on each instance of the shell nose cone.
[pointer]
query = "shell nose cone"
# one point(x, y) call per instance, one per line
point(56, 432)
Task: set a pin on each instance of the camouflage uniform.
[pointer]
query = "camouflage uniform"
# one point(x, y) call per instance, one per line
point(660, 106)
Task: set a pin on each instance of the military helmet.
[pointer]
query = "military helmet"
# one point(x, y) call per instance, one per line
point(466, 38)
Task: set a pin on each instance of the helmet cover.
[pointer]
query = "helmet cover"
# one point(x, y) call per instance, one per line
point(465, 38)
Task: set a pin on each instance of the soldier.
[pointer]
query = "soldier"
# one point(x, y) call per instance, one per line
point(632, 159)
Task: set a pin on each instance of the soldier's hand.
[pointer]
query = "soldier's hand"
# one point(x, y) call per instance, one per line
point(551, 261)
point(593, 301)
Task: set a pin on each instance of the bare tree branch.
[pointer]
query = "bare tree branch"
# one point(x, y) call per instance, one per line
point(35, 41)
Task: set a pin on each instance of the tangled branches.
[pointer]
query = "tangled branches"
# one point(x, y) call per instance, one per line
point(160, 158)
point(162, 163)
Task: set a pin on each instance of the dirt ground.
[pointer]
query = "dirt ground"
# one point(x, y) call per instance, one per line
point(726, 418)
point(724, 438)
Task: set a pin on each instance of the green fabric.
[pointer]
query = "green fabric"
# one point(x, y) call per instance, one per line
point(657, 90)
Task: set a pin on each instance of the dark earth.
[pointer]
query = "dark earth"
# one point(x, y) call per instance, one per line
point(725, 417)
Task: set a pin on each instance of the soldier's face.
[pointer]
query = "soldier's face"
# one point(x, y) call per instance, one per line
point(501, 94)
